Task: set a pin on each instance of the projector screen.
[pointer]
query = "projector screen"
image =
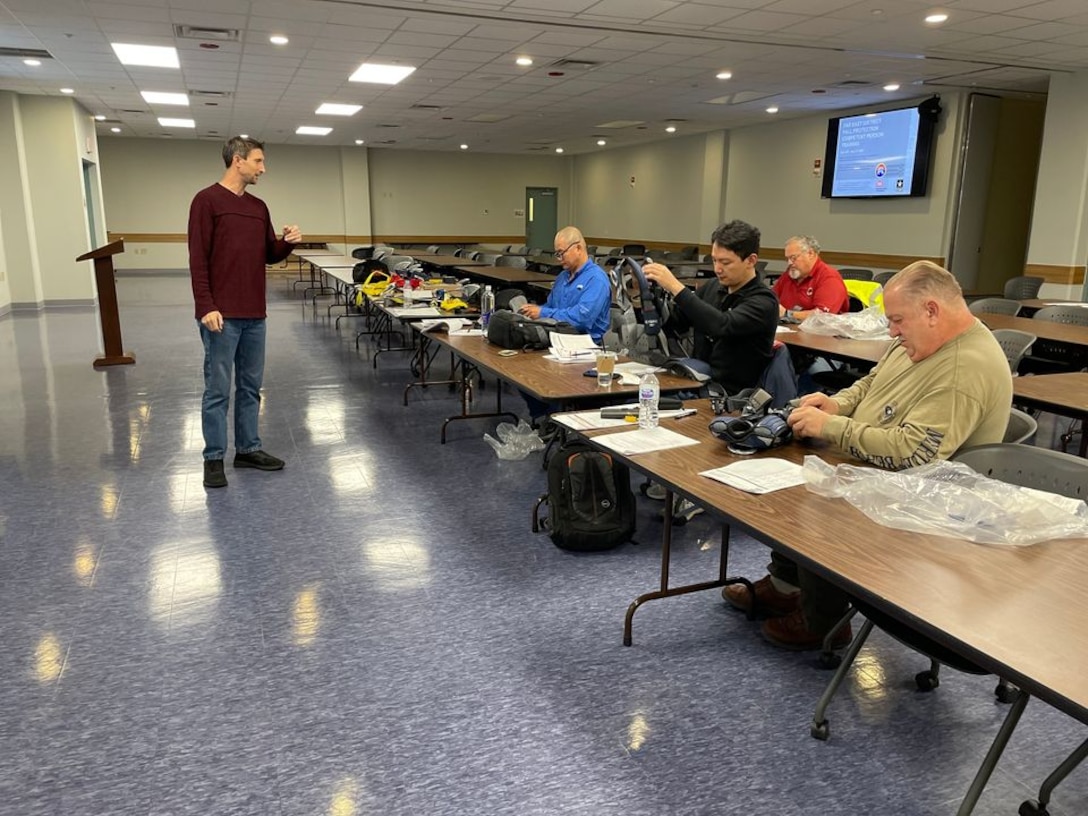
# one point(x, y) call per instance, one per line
point(878, 155)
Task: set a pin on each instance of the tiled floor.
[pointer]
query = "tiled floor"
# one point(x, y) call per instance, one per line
point(374, 630)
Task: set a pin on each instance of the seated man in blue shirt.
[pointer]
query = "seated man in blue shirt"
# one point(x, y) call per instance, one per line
point(582, 296)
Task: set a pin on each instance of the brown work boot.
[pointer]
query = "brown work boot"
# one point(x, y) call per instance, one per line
point(769, 601)
point(792, 632)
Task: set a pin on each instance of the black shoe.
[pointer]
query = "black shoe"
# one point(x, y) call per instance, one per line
point(257, 459)
point(213, 473)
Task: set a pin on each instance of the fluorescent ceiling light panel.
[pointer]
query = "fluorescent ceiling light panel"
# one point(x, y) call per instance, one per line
point(156, 56)
point(334, 109)
point(164, 98)
point(309, 130)
point(381, 74)
point(183, 123)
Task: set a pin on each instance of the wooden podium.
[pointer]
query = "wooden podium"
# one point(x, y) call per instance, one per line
point(107, 304)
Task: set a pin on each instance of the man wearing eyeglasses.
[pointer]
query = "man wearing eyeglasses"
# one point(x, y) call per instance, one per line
point(582, 295)
point(809, 285)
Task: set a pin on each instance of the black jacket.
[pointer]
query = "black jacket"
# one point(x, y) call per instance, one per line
point(734, 333)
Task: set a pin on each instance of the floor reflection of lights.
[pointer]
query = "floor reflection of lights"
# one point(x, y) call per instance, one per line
point(185, 583)
point(397, 564)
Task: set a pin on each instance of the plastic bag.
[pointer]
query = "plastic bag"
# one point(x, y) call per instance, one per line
point(515, 441)
point(868, 324)
point(949, 498)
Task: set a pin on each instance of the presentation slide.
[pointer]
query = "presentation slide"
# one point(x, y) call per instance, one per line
point(875, 154)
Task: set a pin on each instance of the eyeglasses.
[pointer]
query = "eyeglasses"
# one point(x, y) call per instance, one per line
point(559, 253)
point(792, 258)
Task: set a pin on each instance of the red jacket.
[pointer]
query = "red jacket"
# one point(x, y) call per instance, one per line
point(823, 289)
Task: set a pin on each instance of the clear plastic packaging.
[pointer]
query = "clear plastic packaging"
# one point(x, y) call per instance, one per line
point(868, 324)
point(951, 499)
point(515, 441)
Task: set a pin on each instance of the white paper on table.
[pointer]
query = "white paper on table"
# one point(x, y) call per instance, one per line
point(637, 369)
point(590, 420)
point(758, 475)
point(784, 330)
point(413, 311)
point(584, 359)
point(644, 440)
point(578, 347)
point(450, 324)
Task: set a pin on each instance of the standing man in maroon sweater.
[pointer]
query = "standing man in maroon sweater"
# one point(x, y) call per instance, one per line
point(231, 239)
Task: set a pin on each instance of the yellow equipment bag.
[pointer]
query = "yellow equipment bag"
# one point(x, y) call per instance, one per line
point(869, 293)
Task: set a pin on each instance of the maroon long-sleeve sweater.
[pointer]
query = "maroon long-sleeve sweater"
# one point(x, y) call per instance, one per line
point(231, 239)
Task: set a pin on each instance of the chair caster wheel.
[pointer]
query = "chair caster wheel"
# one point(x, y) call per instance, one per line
point(820, 731)
point(1006, 693)
point(926, 681)
point(830, 660)
point(1032, 808)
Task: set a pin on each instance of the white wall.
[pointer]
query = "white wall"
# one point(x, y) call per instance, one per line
point(19, 245)
point(666, 200)
point(771, 185)
point(451, 194)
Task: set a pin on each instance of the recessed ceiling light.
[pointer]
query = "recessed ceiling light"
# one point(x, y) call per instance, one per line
point(772, 109)
point(724, 75)
point(278, 39)
point(892, 86)
point(243, 135)
point(155, 56)
point(381, 74)
point(182, 123)
point(671, 129)
point(67, 90)
point(163, 98)
point(115, 130)
point(360, 141)
point(335, 109)
point(559, 150)
point(524, 62)
point(33, 63)
point(936, 17)
point(311, 130)
point(100, 117)
point(601, 143)
point(464, 147)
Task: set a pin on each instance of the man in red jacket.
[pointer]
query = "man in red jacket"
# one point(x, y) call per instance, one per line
point(809, 285)
point(231, 240)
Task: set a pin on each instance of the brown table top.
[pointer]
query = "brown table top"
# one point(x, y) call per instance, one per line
point(1065, 394)
point(507, 274)
point(544, 379)
point(1012, 610)
point(443, 261)
point(1043, 329)
point(840, 348)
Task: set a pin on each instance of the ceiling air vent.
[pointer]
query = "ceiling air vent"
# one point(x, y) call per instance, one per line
point(852, 83)
point(388, 126)
point(574, 64)
point(188, 32)
point(25, 53)
point(423, 107)
point(211, 94)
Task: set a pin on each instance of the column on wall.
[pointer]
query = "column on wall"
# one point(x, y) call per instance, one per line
point(19, 246)
point(1058, 245)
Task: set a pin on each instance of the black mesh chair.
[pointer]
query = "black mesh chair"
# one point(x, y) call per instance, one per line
point(1023, 287)
point(1016, 344)
point(1022, 465)
point(850, 273)
point(883, 277)
point(634, 250)
point(516, 261)
point(995, 305)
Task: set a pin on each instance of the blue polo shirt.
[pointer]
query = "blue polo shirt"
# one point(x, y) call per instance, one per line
point(582, 299)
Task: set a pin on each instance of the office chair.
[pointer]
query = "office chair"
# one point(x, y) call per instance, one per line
point(1021, 465)
point(690, 253)
point(856, 274)
point(634, 250)
point(1037, 807)
point(591, 250)
point(433, 249)
point(487, 257)
point(516, 261)
point(883, 277)
point(995, 305)
point(1015, 344)
point(1023, 287)
point(1022, 427)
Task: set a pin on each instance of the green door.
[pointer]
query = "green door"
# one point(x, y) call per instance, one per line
point(540, 217)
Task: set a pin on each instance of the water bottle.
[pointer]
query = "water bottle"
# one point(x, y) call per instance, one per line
point(407, 290)
point(487, 306)
point(648, 393)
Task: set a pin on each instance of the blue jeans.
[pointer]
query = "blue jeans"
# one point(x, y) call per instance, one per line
point(239, 346)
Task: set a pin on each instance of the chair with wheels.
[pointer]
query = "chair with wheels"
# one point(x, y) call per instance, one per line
point(995, 305)
point(1015, 344)
point(1022, 465)
point(515, 261)
point(883, 277)
point(1023, 287)
point(634, 250)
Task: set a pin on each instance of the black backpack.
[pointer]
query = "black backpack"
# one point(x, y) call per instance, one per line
point(590, 502)
point(361, 271)
point(511, 330)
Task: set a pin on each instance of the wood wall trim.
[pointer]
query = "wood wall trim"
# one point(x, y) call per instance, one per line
point(1054, 273)
point(864, 260)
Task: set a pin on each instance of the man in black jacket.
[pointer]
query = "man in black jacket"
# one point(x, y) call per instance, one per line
point(734, 316)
